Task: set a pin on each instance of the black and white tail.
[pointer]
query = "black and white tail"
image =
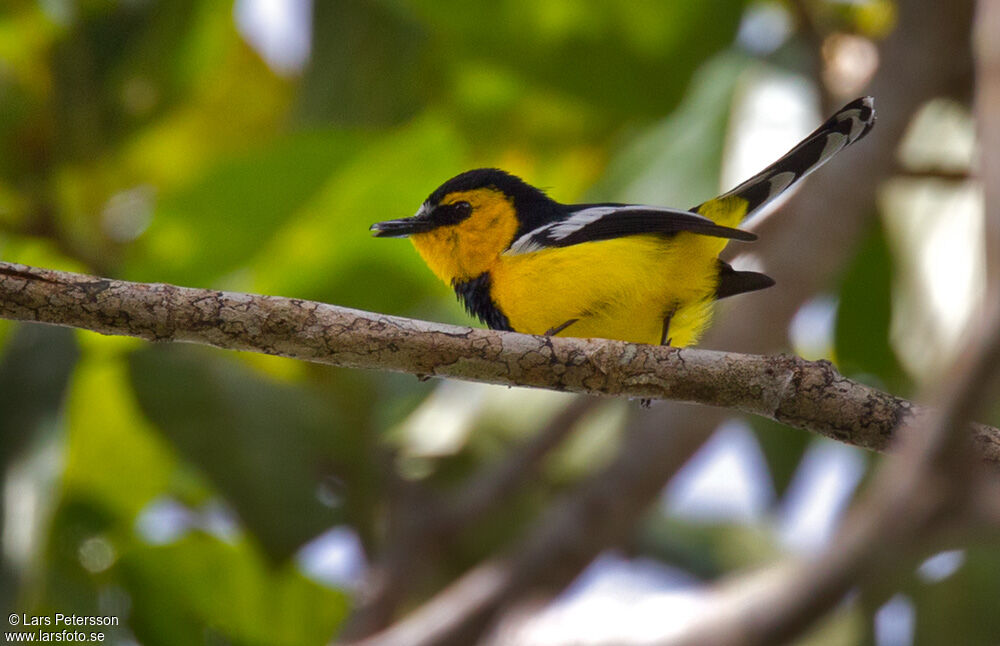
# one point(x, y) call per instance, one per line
point(849, 124)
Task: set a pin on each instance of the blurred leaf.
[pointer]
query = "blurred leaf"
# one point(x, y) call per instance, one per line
point(711, 551)
point(959, 609)
point(707, 550)
point(873, 19)
point(6, 331)
point(327, 252)
point(68, 586)
point(592, 445)
point(210, 227)
point(844, 625)
point(236, 104)
point(386, 88)
point(26, 36)
point(112, 467)
point(40, 252)
point(991, 414)
point(634, 62)
point(962, 609)
point(783, 448)
point(677, 161)
point(112, 456)
point(119, 64)
point(266, 446)
point(35, 369)
point(863, 317)
point(201, 590)
point(120, 98)
point(34, 372)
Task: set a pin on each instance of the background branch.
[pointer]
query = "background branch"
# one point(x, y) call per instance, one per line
point(924, 489)
point(422, 530)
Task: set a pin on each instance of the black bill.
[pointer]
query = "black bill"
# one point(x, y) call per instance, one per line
point(402, 228)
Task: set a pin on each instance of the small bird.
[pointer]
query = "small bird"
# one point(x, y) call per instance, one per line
point(518, 260)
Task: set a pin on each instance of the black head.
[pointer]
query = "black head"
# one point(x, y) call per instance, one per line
point(533, 206)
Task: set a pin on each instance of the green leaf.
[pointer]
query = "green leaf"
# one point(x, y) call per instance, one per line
point(783, 448)
point(708, 550)
point(327, 252)
point(629, 62)
point(962, 608)
point(34, 373)
point(214, 225)
point(267, 446)
point(121, 63)
point(113, 457)
point(386, 87)
point(677, 161)
point(202, 590)
point(66, 583)
point(35, 370)
point(864, 314)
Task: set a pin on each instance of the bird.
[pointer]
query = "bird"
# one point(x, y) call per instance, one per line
point(521, 261)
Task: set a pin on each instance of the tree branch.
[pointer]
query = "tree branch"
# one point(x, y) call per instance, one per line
point(928, 486)
point(799, 393)
point(597, 514)
point(415, 543)
point(496, 482)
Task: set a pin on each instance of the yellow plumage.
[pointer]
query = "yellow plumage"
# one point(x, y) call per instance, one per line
point(473, 246)
point(618, 289)
point(621, 288)
point(522, 261)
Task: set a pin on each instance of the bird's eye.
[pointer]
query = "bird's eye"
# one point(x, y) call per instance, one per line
point(453, 213)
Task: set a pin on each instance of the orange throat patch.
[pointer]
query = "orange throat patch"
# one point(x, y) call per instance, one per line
point(463, 251)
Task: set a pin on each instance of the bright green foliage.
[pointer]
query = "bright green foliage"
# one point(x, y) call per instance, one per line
point(200, 585)
point(212, 225)
point(263, 445)
point(863, 317)
point(677, 161)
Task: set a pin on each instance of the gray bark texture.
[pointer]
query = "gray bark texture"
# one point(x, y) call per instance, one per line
point(804, 394)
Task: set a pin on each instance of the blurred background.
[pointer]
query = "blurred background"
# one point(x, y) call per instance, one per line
point(214, 497)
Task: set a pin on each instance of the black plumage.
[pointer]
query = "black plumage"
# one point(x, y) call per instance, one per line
point(475, 295)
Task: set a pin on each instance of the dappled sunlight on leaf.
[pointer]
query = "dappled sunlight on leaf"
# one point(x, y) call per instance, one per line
point(327, 252)
point(107, 428)
point(211, 227)
point(199, 583)
point(223, 419)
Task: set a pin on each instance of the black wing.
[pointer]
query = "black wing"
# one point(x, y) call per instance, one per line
point(733, 282)
point(590, 222)
point(849, 124)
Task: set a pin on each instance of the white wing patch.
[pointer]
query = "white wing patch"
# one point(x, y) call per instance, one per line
point(525, 244)
point(583, 217)
point(858, 124)
point(532, 241)
point(835, 142)
point(579, 219)
point(780, 182)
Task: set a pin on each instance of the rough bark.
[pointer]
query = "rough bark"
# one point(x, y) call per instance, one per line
point(804, 394)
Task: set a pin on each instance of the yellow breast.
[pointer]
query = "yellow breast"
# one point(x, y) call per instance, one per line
point(465, 250)
point(618, 289)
